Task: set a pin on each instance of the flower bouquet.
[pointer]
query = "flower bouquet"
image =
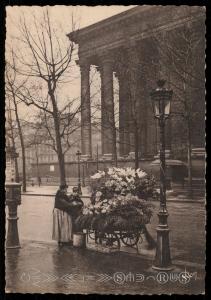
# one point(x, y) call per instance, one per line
point(120, 200)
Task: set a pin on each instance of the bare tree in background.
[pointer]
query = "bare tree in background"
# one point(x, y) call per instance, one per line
point(12, 89)
point(183, 58)
point(11, 133)
point(46, 67)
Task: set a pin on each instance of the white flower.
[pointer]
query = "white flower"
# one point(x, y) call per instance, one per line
point(130, 172)
point(140, 173)
point(98, 175)
point(98, 194)
point(110, 171)
point(115, 176)
point(108, 183)
point(130, 179)
point(97, 205)
point(132, 187)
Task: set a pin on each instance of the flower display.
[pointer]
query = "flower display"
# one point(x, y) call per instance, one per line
point(123, 181)
point(120, 200)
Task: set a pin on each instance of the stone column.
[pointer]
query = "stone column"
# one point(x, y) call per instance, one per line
point(107, 107)
point(124, 126)
point(86, 138)
point(133, 63)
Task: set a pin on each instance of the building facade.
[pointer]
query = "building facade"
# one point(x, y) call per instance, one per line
point(133, 45)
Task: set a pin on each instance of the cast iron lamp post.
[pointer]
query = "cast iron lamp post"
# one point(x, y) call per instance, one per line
point(161, 98)
point(78, 153)
point(13, 199)
point(83, 174)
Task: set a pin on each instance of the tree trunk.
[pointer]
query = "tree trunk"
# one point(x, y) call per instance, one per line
point(58, 140)
point(190, 186)
point(60, 157)
point(17, 178)
point(37, 165)
point(136, 147)
point(114, 147)
point(22, 146)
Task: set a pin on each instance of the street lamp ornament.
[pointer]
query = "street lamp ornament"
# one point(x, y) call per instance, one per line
point(161, 98)
point(78, 154)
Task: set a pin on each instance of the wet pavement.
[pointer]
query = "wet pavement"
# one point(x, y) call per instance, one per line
point(39, 266)
point(186, 223)
point(46, 268)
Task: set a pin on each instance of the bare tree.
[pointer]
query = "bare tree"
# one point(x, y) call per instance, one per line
point(12, 88)
point(182, 54)
point(46, 67)
point(11, 133)
point(34, 140)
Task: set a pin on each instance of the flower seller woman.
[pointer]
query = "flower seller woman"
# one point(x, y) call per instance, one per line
point(62, 220)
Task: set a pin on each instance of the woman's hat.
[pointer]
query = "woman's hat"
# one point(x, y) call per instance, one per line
point(63, 186)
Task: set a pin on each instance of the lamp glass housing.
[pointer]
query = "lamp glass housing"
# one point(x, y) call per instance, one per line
point(161, 98)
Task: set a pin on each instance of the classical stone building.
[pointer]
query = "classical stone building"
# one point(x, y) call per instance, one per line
point(127, 45)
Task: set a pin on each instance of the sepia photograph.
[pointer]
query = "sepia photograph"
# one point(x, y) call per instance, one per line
point(105, 187)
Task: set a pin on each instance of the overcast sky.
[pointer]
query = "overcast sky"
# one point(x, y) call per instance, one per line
point(86, 15)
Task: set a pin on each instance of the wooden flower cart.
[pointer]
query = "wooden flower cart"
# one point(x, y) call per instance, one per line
point(116, 237)
point(119, 208)
point(102, 231)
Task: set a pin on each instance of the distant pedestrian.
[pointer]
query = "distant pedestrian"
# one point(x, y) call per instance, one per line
point(62, 220)
point(39, 181)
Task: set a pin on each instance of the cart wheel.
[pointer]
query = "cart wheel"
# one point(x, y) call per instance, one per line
point(111, 239)
point(129, 238)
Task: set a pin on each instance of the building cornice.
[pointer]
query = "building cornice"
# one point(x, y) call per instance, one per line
point(130, 16)
point(75, 36)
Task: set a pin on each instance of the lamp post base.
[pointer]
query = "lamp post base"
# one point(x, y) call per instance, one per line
point(164, 269)
point(162, 260)
point(12, 240)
